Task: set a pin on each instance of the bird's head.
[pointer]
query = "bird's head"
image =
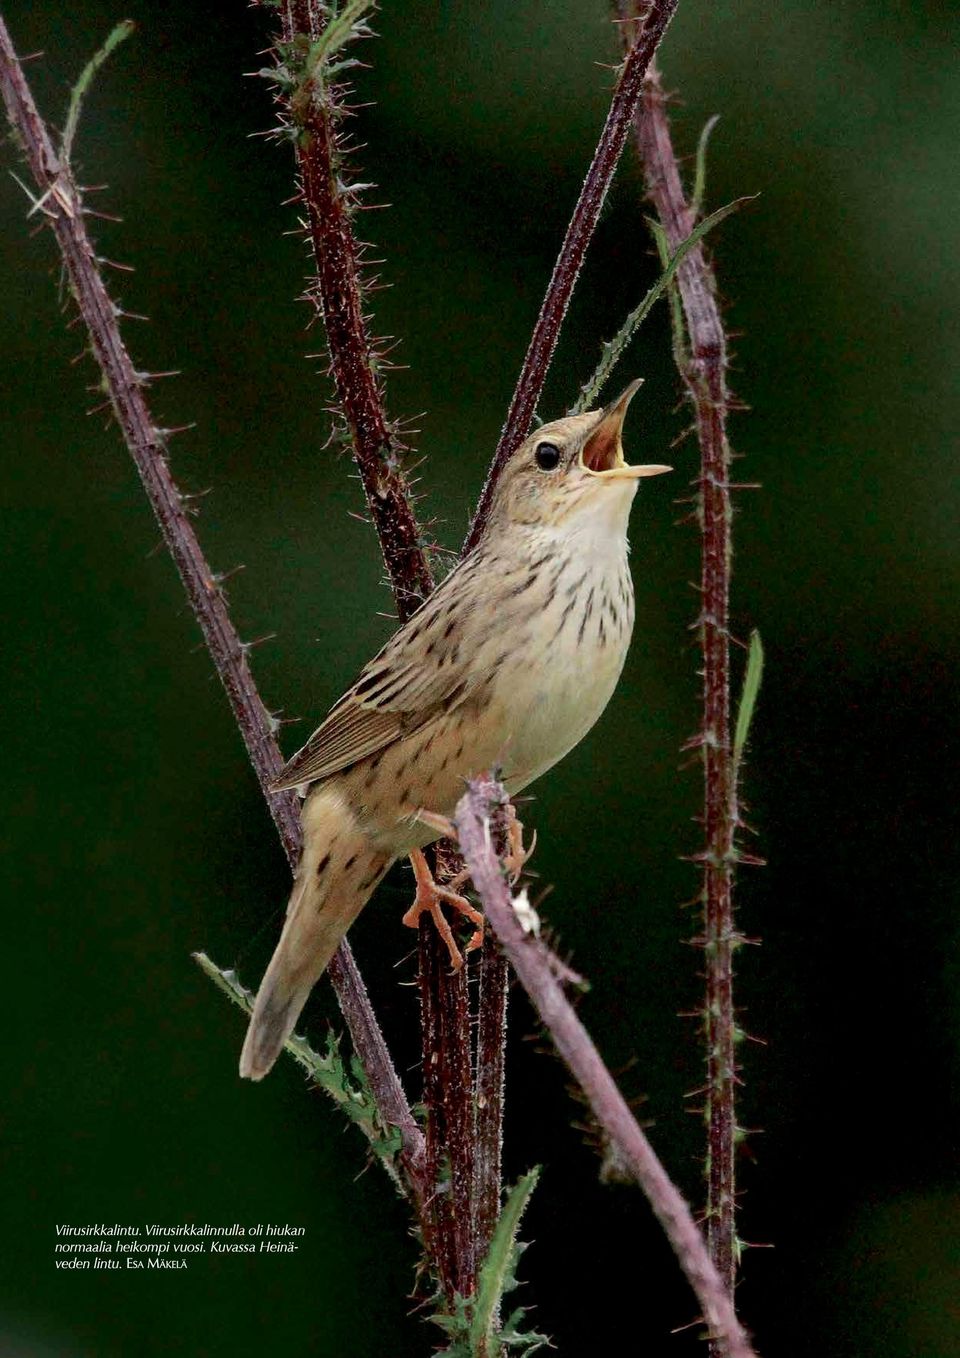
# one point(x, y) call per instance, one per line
point(572, 475)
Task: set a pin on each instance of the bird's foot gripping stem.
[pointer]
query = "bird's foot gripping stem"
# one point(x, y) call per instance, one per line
point(516, 857)
point(514, 860)
point(428, 899)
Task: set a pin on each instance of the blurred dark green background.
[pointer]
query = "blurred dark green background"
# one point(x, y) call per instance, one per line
point(133, 831)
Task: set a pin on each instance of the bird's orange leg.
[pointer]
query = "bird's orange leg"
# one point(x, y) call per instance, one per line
point(514, 860)
point(516, 856)
point(428, 898)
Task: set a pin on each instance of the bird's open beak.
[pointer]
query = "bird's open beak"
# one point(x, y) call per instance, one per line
point(602, 453)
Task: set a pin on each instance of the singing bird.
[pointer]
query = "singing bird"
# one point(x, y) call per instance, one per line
point(508, 663)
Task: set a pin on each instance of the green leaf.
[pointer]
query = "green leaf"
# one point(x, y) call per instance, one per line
point(498, 1275)
point(678, 329)
point(474, 1326)
point(341, 29)
point(87, 75)
point(700, 174)
point(613, 351)
point(748, 698)
point(328, 1071)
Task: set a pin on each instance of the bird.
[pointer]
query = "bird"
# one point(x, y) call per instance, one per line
point(507, 664)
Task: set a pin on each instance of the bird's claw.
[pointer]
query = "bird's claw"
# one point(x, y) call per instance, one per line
point(514, 860)
point(428, 898)
point(516, 857)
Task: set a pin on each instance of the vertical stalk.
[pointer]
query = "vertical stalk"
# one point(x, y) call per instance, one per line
point(703, 369)
point(447, 1091)
point(489, 1068)
point(312, 103)
point(447, 1095)
point(488, 1090)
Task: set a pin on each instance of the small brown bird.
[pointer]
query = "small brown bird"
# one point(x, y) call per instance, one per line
point(509, 662)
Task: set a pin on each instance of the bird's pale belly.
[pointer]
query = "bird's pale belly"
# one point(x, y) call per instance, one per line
point(532, 717)
point(534, 706)
point(550, 709)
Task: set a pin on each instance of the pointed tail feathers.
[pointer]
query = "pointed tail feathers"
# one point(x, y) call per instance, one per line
point(337, 875)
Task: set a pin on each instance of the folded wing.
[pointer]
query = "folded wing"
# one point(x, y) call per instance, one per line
point(421, 670)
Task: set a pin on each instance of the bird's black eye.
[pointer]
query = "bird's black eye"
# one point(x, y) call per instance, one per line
point(547, 457)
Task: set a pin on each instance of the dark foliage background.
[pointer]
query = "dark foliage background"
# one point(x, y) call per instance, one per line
point(132, 828)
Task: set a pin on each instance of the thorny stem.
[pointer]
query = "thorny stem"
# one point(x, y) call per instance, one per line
point(704, 375)
point(489, 1085)
point(314, 109)
point(448, 1098)
point(60, 202)
point(463, 1091)
point(538, 973)
point(583, 223)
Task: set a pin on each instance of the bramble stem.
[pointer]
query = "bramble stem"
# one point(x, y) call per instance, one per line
point(448, 1099)
point(583, 224)
point(61, 205)
point(313, 107)
point(704, 375)
point(489, 1077)
point(538, 973)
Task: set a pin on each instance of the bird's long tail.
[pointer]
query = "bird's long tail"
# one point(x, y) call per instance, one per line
point(337, 875)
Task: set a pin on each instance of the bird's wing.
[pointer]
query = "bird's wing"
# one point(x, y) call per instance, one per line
point(422, 669)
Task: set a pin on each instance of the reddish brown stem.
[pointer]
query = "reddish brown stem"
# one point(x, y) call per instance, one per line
point(447, 1090)
point(538, 973)
point(583, 224)
point(489, 1077)
point(60, 202)
point(314, 111)
point(704, 375)
point(463, 1095)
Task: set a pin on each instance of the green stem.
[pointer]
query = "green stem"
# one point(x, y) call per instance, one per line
point(326, 1071)
point(497, 1271)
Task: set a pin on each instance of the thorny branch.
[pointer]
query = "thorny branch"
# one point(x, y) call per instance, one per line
point(312, 103)
point(704, 375)
point(583, 224)
point(538, 973)
point(313, 98)
point(448, 1097)
point(61, 204)
point(703, 370)
point(489, 1078)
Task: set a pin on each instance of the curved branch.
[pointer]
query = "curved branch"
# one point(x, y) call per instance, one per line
point(537, 971)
